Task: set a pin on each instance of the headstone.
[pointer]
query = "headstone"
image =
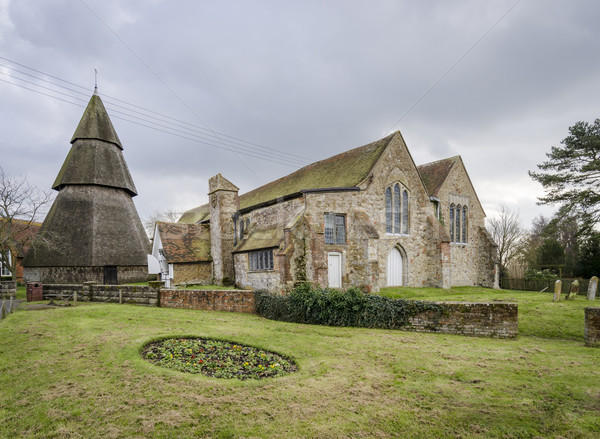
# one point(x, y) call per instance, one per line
point(574, 290)
point(2, 312)
point(591, 295)
point(557, 290)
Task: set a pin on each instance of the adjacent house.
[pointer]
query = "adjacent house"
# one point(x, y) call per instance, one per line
point(368, 217)
point(181, 253)
point(18, 235)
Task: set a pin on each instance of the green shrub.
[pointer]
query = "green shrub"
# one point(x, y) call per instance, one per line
point(318, 306)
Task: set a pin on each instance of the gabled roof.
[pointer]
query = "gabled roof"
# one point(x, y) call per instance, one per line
point(23, 233)
point(434, 174)
point(95, 124)
point(195, 215)
point(344, 170)
point(185, 242)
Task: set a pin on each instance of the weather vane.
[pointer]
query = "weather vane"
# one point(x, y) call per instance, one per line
point(95, 81)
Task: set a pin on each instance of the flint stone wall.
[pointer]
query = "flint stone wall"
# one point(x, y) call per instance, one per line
point(592, 327)
point(498, 319)
point(8, 289)
point(75, 275)
point(209, 300)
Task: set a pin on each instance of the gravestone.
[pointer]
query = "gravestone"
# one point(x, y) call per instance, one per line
point(591, 294)
point(557, 290)
point(574, 290)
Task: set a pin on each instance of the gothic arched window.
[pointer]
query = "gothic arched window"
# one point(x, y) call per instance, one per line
point(452, 222)
point(388, 210)
point(396, 208)
point(464, 224)
point(405, 212)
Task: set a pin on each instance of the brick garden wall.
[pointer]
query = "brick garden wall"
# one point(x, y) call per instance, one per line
point(592, 327)
point(209, 300)
point(498, 319)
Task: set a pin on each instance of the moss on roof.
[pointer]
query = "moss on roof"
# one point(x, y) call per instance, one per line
point(195, 215)
point(347, 169)
point(435, 173)
point(185, 242)
point(95, 124)
point(260, 238)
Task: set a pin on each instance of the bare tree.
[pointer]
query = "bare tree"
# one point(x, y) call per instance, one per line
point(20, 206)
point(166, 216)
point(508, 234)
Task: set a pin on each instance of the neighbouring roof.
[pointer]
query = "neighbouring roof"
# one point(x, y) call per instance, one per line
point(24, 233)
point(434, 174)
point(185, 242)
point(95, 124)
point(256, 238)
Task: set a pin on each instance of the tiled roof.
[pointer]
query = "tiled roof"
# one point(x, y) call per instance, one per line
point(347, 169)
point(435, 173)
point(185, 242)
point(260, 238)
point(24, 232)
point(195, 215)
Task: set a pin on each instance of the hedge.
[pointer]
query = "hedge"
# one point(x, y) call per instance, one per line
point(318, 306)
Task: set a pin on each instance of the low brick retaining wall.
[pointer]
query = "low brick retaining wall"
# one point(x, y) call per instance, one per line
point(8, 289)
point(136, 294)
point(592, 327)
point(496, 319)
point(209, 300)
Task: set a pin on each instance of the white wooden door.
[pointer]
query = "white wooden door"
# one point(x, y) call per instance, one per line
point(394, 268)
point(334, 270)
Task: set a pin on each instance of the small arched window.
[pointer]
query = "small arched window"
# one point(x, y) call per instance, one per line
point(396, 208)
point(464, 224)
point(388, 210)
point(405, 212)
point(452, 222)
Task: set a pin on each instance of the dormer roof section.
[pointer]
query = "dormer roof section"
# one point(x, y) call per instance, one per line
point(95, 124)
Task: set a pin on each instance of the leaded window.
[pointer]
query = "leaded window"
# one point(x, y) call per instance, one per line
point(405, 212)
point(464, 224)
point(452, 222)
point(396, 210)
point(261, 260)
point(457, 228)
point(388, 210)
point(335, 228)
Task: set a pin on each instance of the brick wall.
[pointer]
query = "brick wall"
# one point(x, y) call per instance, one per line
point(209, 300)
point(592, 327)
point(498, 319)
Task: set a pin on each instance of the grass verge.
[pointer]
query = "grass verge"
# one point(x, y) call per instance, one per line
point(77, 372)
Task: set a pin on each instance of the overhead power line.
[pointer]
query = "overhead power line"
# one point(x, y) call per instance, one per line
point(143, 116)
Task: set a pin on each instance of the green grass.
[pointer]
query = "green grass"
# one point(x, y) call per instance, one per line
point(539, 316)
point(77, 372)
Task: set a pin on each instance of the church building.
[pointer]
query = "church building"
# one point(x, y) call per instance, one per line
point(368, 217)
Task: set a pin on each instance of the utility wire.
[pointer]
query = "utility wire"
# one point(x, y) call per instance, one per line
point(167, 130)
point(192, 127)
point(168, 86)
point(452, 67)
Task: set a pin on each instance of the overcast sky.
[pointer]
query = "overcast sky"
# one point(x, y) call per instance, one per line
point(497, 82)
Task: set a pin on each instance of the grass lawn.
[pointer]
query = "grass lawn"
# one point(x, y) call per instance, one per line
point(76, 372)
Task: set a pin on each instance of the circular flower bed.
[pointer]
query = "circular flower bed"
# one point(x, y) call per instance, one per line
point(218, 359)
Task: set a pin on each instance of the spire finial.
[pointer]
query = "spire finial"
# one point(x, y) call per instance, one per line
point(95, 81)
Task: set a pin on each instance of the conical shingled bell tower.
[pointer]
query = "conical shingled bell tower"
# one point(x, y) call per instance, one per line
point(93, 231)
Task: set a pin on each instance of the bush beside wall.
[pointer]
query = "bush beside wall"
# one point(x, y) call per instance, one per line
point(354, 308)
